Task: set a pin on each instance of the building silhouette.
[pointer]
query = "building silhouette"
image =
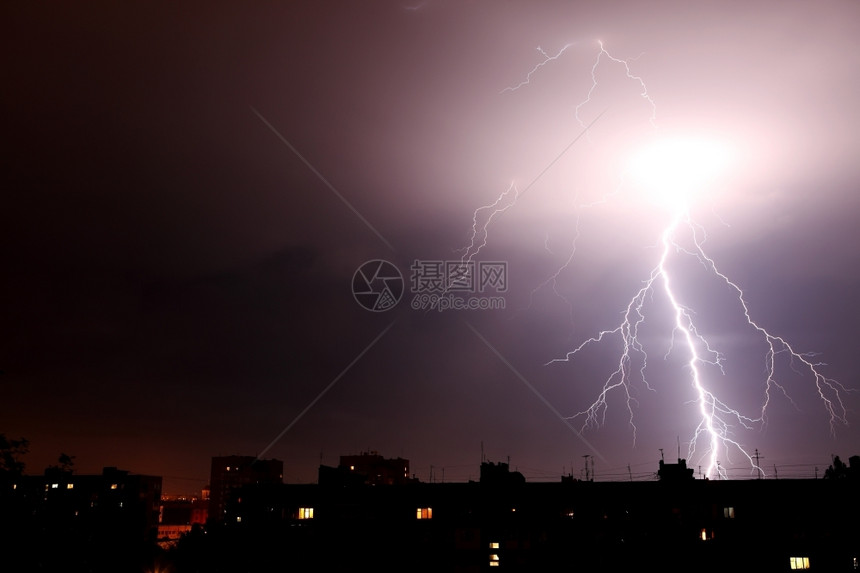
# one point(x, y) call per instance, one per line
point(231, 472)
point(60, 520)
point(675, 524)
point(368, 468)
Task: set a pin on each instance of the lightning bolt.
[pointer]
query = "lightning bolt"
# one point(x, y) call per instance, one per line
point(552, 280)
point(717, 416)
point(546, 59)
point(630, 75)
point(483, 216)
point(714, 435)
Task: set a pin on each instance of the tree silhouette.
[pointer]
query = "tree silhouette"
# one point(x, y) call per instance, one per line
point(837, 470)
point(11, 452)
point(64, 463)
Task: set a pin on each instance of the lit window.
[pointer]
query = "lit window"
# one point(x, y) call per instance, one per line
point(70, 486)
point(351, 468)
point(113, 486)
point(306, 513)
point(729, 512)
point(55, 485)
point(424, 513)
point(238, 519)
point(799, 562)
point(494, 560)
point(705, 535)
point(494, 545)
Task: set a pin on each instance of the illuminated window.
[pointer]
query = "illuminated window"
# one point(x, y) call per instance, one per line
point(55, 485)
point(424, 513)
point(113, 486)
point(494, 545)
point(70, 486)
point(351, 468)
point(729, 512)
point(799, 562)
point(238, 519)
point(494, 560)
point(705, 535)
point(306, 513)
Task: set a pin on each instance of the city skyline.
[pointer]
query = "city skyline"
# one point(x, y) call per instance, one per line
point(192, 195)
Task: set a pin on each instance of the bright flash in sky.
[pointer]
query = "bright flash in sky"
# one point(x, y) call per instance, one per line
point(673, 172)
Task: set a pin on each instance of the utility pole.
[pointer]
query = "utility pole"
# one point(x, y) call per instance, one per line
point(629, 473)
point(757, 466)
point(586, 456)
point(661, 455)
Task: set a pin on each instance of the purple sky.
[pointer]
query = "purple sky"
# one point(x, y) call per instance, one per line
point(177, 281)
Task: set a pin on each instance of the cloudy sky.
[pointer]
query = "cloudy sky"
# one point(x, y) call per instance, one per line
point(189, 191)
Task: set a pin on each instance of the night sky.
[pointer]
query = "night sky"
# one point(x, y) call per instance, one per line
point(189, 190)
